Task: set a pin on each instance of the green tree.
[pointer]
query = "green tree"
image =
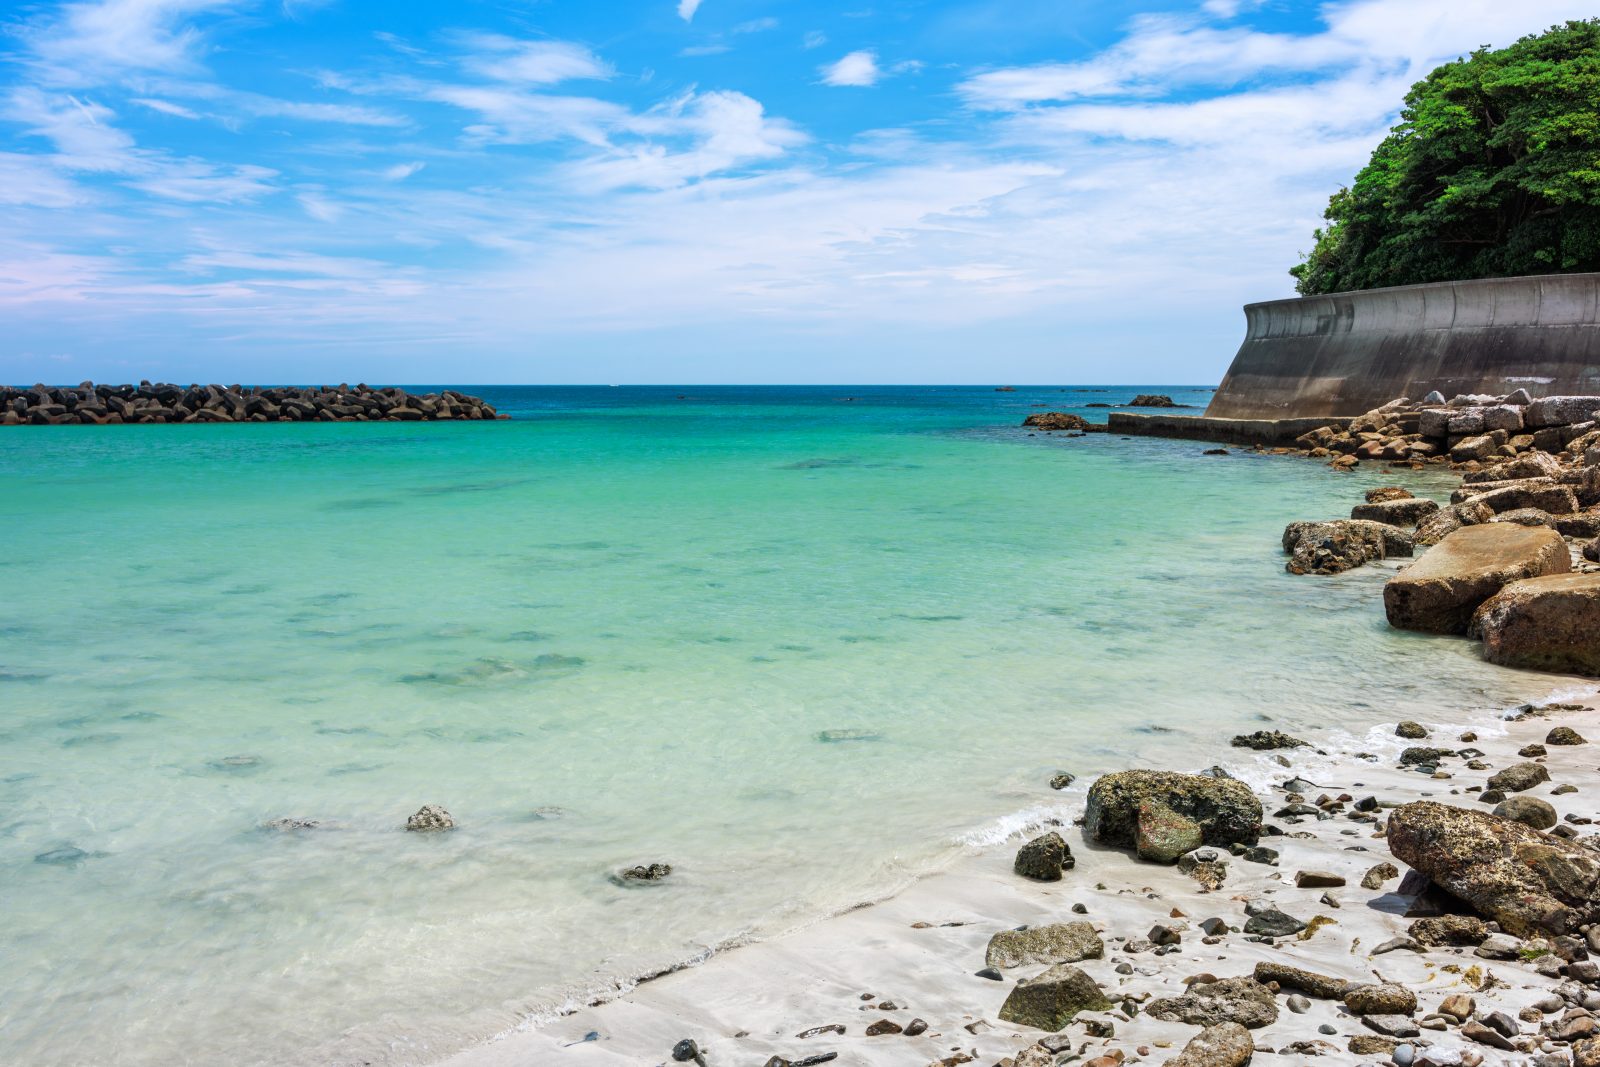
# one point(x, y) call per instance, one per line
point(1494, 170)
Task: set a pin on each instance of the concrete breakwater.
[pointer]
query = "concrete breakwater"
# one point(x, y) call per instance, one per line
point(88, 403)
point(1206, 428)
point(1347, 353)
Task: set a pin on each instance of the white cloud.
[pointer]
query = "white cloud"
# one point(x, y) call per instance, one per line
point(166, 107)
point(814, 39)
point(687, 8)
point(857, 68)
point(32, 181)
point(1227, 9)
point(311, 111)
point(1162, 52)
point(320, 207)
point(507, 59)
point(401, 171)
point(95, 39)
point(195, 181)
point(512, 116)
point(723, 130)
point(80, 130)
point(756, 26)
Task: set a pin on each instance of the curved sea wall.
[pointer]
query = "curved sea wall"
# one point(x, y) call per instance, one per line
point(1351, 352)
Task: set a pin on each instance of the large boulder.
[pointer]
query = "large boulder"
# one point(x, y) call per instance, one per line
point(1532, 465)
point(1560, 411)
point(1548, 623)
point(1340, 544)
point(1050, 1000)
point(1556, 499)
point(1439, 592)
point(1053, 943)
point(1395, 512)
point(1477, 447)
point(1526, 881)
point(1224, 809)
point(1230, 1000)
point(1446, 521)
point(1223, 1045)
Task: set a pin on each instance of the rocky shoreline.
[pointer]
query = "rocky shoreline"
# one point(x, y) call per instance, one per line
point(1422, 895)
point(1425, 895)
point(107, 405)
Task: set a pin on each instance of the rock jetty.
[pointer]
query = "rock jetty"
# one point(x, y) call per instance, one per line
point(1511, 558)
point(102, 405)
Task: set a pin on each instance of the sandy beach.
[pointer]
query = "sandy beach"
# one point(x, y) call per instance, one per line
point(915, 956)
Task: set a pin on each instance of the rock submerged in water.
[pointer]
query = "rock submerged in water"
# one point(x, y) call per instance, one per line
point(1339, 545)
point(1044, 858)
point(1054, 943)
point(1224, 809)
point(1152, 400)
point(1266, 740)
point(1526, 881)
point(644, 872)
point(430, 818)
point(1050, 1000)
point(1059, 420)
point(835, 737)
point(65, 856)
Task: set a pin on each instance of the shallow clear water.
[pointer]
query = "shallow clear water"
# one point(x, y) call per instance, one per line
point(800, 647)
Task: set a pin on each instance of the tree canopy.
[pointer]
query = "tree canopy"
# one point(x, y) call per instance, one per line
point(1493, 171)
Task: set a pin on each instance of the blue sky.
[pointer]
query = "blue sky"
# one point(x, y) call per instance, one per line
point(681, 191)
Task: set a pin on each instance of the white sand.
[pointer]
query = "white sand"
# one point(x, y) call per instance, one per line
point(747, 1004)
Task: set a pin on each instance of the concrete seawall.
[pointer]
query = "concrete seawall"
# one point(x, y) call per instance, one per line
point(1224, 431)
point(1350, 352)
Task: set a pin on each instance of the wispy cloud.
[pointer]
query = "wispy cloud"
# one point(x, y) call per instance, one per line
point(401, 171)
point(687, 8)
point(532, 62)
point(166, 107)
point(95, 39)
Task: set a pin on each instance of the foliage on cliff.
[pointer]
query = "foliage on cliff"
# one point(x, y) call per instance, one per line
point(1493, 171)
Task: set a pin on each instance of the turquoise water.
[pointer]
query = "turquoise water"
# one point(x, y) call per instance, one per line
point(801, 647)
